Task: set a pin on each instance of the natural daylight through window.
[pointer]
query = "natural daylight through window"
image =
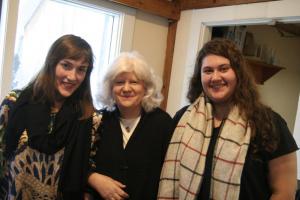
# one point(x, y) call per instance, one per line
point(41, 22)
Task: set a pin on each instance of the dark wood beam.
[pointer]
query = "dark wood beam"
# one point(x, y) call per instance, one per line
point(197, 4)
point(163, 8)
point(168, 62)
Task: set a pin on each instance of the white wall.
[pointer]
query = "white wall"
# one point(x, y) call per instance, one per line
point(297, 124)
point(297, 134)
point(150, 39)
point(185, 50)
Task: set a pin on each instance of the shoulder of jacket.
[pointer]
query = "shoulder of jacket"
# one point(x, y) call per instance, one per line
point(159, 113)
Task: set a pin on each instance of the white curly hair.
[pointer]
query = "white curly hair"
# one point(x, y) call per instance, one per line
point(135, 63)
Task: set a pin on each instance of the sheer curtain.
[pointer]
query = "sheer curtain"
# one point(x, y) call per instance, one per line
point(41, 22)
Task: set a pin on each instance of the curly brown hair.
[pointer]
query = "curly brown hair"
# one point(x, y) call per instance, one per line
point(246, 95)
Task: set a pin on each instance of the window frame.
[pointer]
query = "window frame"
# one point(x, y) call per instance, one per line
point(8, 29)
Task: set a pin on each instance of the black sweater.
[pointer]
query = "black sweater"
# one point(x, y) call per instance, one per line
point(138, 166)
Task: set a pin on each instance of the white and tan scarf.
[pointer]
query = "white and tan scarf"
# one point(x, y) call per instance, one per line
point(184, 163)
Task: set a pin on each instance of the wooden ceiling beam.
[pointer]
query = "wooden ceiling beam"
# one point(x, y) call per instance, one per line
point(196, 4)
point(163, 8)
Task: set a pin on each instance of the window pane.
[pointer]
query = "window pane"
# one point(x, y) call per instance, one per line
point(41, 22)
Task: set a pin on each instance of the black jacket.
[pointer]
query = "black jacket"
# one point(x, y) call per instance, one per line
point(138, 166)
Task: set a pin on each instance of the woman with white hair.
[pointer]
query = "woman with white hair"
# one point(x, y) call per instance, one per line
point(133, 135)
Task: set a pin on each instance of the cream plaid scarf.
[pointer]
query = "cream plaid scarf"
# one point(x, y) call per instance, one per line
point(184, 164)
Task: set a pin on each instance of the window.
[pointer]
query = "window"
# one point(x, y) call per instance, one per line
point(41, 22)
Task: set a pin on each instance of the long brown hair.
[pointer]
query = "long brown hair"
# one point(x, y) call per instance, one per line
point(71, 47)
point(246, 95)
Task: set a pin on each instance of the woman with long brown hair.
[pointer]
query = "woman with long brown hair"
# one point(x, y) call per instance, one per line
point(47, 135)
point(227, 144)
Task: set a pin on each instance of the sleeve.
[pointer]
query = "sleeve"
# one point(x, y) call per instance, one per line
point(287, 143)
point(6, 105)
point(178, 115)
point(96, 131)
point(98, 121)
point(167, 130)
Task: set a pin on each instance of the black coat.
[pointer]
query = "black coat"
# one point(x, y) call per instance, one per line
point(138, 166)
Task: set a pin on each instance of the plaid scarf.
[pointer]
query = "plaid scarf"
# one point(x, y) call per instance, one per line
point(184, 163)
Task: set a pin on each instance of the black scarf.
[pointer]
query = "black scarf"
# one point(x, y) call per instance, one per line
point(68, 132)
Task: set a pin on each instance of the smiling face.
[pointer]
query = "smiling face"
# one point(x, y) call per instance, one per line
point(69, 74)
point(128, 92)
point(218, 79)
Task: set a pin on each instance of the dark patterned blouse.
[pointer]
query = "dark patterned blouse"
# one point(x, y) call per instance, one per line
point(30, 174)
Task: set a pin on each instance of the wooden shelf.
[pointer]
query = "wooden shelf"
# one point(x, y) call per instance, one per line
point(262, 71)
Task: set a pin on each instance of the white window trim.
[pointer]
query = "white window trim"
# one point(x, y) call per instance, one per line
point(7, 43)
point(8, 35)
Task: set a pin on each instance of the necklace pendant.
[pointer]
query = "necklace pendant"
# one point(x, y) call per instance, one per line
point(127, 128)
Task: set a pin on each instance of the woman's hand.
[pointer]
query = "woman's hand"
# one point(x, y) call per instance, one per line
point(108, 188)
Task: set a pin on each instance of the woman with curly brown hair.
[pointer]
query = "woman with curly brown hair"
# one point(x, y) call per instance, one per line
point(227, 144)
